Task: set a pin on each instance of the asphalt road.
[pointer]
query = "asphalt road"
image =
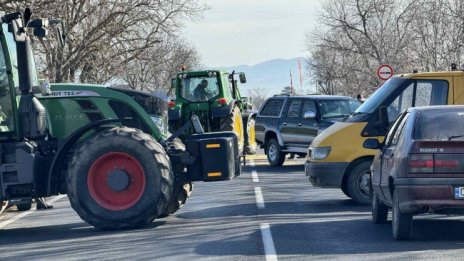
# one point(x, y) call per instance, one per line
point(265, 214)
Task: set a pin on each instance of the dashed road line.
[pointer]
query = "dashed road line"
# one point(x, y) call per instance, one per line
point(268, 242)
point(259, 198)
point(254, 176)
point(17, 217)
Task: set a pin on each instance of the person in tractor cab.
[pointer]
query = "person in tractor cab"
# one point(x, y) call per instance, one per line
point(201, 91)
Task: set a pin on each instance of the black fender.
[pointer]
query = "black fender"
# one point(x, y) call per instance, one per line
point(60, 156)
point(223, 111)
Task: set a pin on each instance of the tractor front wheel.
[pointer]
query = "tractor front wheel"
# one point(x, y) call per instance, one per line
point(250, 140)
point(234, 123)
point(119, 178)
point(182, 189)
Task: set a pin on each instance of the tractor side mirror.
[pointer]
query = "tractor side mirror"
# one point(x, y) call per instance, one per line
point(242, 78)
point(40, 27)
point(60, 31)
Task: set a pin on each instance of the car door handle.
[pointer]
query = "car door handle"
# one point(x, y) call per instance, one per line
point(285, 124)
point(299, 124)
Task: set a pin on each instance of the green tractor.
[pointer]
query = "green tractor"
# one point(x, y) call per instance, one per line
point(214, 97)
point(106, 148)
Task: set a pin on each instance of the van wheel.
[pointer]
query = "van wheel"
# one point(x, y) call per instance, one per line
point(275, 156)
point(358, 183)
point(401, 222)
point(379, 210)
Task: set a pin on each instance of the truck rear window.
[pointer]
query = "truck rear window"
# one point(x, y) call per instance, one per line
point(273, 107)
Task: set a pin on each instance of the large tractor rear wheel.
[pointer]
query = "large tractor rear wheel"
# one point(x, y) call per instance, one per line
point(182, 189)
point(234, 123)
point(250, 141)
point(119, 178)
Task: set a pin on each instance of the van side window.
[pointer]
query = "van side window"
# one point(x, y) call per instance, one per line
point(402, 102)
point(294, 109)
point(431, 93)
point(272, 108)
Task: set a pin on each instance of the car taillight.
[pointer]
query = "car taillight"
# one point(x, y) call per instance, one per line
point(436, 163)
point(222, 101)
point(171, 104)
point(420, 163)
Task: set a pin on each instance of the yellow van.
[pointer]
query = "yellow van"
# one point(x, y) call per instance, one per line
point(336, 157)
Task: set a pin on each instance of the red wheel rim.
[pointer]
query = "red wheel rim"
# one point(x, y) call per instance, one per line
point(130, 183)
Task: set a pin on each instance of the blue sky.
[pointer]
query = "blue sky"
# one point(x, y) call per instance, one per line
point(236, 32)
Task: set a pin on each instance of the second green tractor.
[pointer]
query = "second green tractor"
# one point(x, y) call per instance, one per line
point(214, 97)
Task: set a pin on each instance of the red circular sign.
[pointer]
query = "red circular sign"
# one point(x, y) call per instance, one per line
point(385, 72)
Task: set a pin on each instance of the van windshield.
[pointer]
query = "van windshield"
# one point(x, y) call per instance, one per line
point(380, 95)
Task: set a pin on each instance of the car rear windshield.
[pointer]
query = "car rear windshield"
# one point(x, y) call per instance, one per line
point(273, 107)
point(445, 124)
point(337, 108)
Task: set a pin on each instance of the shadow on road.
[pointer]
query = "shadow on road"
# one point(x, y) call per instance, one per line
point(345, 238)
point(276, 208)
point(61, 232)
point(276, 170)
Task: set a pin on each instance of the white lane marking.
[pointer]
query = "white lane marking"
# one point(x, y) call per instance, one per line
point(254, 175)
point(259, 198)
point(17, 217)
point(252, 163)
point(269, 249)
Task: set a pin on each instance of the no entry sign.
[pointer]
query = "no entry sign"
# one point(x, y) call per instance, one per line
point(385, 72)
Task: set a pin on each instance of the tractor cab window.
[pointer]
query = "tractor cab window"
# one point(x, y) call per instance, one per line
point(6, 106)
point(198, 89)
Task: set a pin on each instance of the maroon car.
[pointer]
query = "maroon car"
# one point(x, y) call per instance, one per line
point(419, 167)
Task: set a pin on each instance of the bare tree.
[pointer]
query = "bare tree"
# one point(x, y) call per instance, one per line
point(355, 37)
point(104, 36)
point(258, 97)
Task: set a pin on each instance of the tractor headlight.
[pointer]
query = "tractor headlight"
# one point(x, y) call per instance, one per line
point(159, 122)
point(319, 153)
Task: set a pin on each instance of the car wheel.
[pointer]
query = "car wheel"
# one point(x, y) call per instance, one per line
point(358, 183)
point(401, 222)
point(379, 210)
point(275, 156)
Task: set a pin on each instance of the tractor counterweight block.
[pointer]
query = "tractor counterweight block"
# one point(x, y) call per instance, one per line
point(216, 154)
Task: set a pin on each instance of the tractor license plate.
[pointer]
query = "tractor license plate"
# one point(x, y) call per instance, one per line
point(459, 192)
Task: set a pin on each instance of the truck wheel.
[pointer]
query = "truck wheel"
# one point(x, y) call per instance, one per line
point(379, 210)
point(181, 189)
point(234, 123)
point(358, 183)
point(275, 156)
point(401, 222)
point(250, 141)
point(119, 178)
point(24, 206)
